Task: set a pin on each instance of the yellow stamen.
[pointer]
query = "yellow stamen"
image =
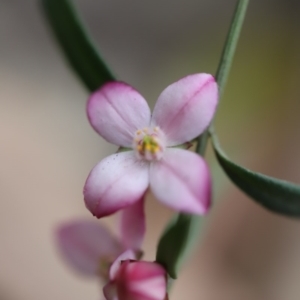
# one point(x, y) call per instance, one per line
point(148, 144)
point(155, 149)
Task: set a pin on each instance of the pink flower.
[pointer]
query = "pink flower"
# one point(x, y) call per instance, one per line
point(136, 280)
point(177, 177)
point(90, 249)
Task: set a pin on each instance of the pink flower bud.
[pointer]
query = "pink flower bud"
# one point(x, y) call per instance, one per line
point(137, 280)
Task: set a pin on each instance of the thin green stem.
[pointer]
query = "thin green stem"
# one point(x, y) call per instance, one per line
point(166, 244)
point(226, 60)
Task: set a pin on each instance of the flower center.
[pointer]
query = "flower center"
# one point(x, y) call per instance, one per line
point(149, 143)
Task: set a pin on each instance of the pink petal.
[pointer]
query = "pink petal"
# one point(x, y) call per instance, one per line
point(83, 244)
point(127, 255)
point(116, 111)
point(185, 108)
point(141, 280)
point(181, 180)
point(116, 182)
point(110, 291)
point(133, 225)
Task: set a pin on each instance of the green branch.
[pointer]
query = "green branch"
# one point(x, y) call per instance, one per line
point(226, 60)
point(181, 232)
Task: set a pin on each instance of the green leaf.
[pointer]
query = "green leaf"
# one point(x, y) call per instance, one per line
point(176, 241)
point(76, 44)
point(276, 195)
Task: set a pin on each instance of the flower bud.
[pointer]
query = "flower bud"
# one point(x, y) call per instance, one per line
point(138, 280)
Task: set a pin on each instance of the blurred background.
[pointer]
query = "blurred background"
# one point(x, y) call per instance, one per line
point(48, 147)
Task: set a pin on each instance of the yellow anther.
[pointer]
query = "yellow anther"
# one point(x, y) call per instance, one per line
point(154, 149)
point(148, 144)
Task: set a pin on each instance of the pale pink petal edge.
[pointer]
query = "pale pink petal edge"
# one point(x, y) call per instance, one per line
point(185, 108)
point(182, 181)
point(116, 111)
point(115, 183)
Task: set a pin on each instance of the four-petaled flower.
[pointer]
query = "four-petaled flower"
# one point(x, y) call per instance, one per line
point(91, 250)
point(177, 177)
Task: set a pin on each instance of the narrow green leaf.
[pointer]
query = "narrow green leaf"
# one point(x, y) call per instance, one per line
point(175, 242)
point(226, 59)
point(76, 44)
point(276, 195)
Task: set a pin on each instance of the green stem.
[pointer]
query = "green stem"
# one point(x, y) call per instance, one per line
point(78, 47)
point(179, 236)
point(226, 60)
